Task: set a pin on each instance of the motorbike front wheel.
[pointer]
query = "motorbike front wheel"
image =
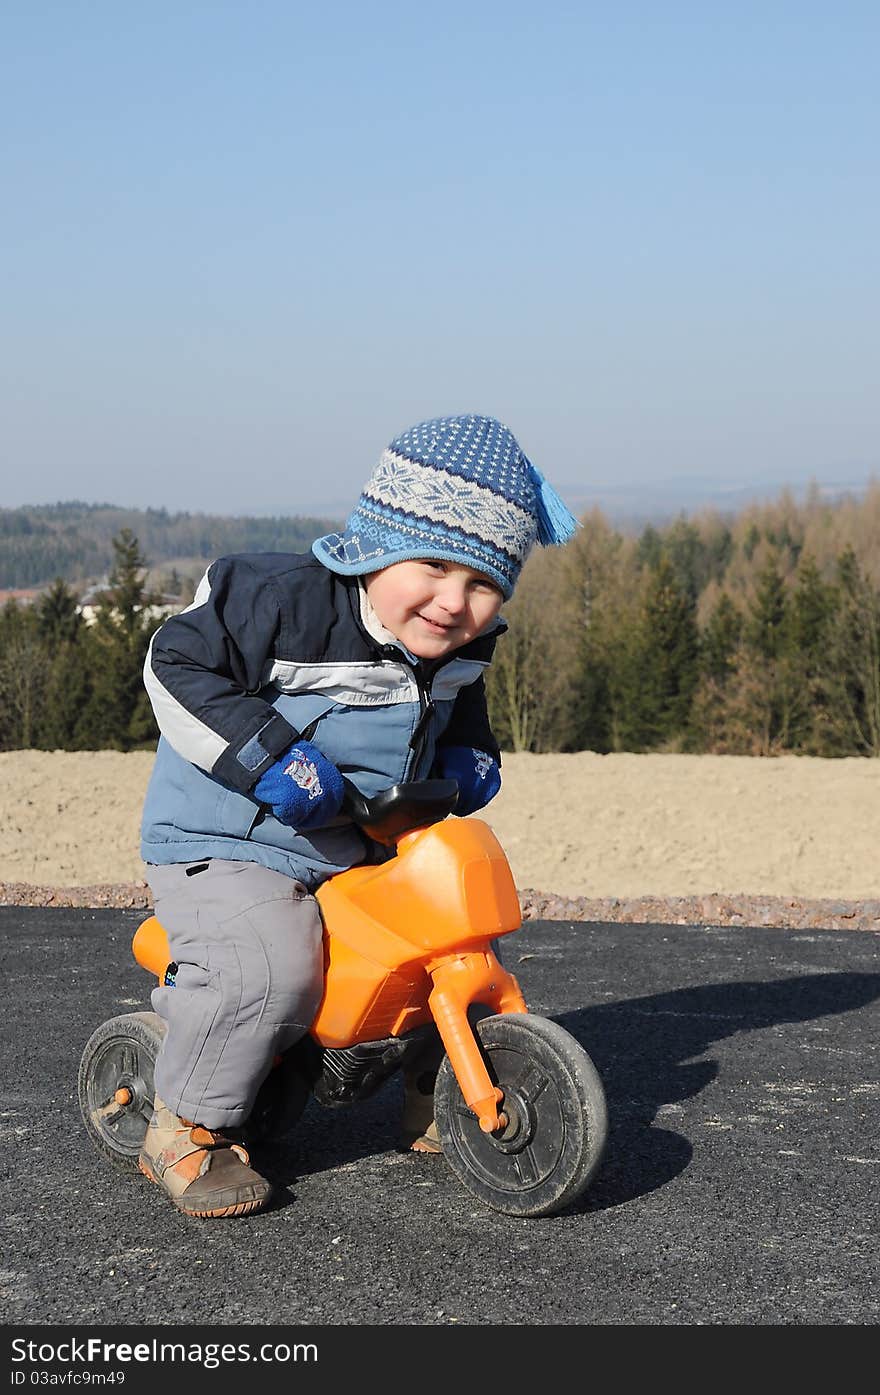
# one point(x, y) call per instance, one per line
point(557, 1124)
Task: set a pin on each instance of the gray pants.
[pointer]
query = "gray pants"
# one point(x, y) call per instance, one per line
point(248, 942)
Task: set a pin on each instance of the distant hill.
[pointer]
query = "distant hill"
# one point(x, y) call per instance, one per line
point(631, 507)
point(74, 540)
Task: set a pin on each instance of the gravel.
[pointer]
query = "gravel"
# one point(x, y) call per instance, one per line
point(781, 912)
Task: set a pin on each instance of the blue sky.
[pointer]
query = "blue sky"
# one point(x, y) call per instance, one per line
point(245, 245)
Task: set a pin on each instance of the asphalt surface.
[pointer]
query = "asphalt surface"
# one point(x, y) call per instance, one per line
point(739, 1185)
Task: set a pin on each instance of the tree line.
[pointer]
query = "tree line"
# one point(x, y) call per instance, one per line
point(75, 540)
point(758, 635)
point(72, 686)
point(753, 635)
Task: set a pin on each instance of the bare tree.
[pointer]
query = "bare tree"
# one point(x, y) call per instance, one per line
point(529, 683)
point(25, 664)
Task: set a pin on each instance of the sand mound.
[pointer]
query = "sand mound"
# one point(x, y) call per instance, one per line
point(578, 825)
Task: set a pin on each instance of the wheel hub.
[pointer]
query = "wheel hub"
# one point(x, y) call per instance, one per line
point(519, 1129)
point(130, 1097)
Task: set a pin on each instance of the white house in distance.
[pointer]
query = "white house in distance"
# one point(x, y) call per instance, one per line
point(21, 595)
point(90, 602)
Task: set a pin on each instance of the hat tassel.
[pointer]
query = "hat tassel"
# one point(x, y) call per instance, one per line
point(556, 523)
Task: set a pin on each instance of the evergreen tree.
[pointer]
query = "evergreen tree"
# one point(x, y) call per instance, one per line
point(764, 705)
point(751, 540)
point(602, 576)
point(592, 703)
point(68, 698)
point(765, 625)
point(117, 714)
point(658, 674)
point(68, 681)
point(719, 648)
point(856, 655)
point(650, 548)
point(58, 618)
point(686, 552)
point(815, 722)
point(720, 639)
point(718, 550)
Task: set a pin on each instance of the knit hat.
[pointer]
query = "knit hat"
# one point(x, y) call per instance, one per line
point(457, 489)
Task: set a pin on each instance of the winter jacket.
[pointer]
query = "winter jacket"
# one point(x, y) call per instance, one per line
point(275, 647)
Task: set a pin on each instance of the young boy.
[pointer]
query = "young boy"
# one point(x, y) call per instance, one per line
point(363, 658)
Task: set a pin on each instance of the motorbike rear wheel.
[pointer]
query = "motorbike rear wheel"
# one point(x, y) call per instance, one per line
point(115, 1084)
point(557, 1125)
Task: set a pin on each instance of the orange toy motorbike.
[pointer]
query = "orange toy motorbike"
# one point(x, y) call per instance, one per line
point(519, 1106)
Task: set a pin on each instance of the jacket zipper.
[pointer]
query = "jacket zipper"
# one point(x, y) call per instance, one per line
point(418, 741)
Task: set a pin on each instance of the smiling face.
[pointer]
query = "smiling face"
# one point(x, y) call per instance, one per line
point(433, 607)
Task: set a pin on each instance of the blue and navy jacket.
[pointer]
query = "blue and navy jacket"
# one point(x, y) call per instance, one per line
point(275, 647)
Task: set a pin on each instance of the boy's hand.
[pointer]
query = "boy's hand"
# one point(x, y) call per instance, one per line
point(303, 788)
point(478, 776)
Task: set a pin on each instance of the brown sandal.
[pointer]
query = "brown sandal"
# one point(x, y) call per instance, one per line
point(418, 1131)
point(204, 1172)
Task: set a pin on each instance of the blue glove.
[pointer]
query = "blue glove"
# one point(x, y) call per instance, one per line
point(303, 787)
point(478, 776)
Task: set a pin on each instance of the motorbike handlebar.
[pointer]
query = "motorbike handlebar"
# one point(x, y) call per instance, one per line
point(386, 816)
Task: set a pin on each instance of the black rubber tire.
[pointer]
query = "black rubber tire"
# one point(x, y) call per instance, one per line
point(121, 1053)
point(558, 1127)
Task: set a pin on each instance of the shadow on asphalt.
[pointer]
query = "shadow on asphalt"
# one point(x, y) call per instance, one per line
point(326, 1139)
point(644, 1049)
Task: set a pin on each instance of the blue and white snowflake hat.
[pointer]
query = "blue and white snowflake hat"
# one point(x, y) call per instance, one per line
point(458, 489)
